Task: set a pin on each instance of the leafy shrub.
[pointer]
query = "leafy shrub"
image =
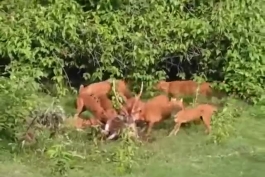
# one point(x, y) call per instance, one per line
point(139, 40)
point(18, 98)
point(62, 158)
point(124, 153)
point(223, 123)
point(50, 117)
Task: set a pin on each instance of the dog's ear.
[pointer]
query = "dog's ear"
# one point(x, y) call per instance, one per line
point(173, 99)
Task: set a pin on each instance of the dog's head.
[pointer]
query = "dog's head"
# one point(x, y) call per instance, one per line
point(177, 103)
point(162, 86)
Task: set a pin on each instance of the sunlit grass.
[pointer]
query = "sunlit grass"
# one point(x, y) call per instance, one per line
point(187, 154)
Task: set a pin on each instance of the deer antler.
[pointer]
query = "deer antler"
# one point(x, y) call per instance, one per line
point(138, 96)
point(141, 91)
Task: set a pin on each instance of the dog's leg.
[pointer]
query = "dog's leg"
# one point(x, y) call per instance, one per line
point(206, 120)
point(177, 128)
point(79, 107)
point(172, 132)
point(150, 126)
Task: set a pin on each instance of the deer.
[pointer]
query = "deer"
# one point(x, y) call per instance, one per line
point(104, 87)
point(187, 87)
point(202, 111)
point(116, 124)
point(154, 110)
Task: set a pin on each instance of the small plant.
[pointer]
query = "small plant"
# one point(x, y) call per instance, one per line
point(116, 99)
point(61, 158)
point(199, 80)
point(223, 125)
point(41, 121)
point(51, 117)
point(125, 152)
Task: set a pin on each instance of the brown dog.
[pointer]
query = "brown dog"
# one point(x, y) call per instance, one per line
point(188, 87)
point(154, 110)
point(92, 102)
point(202, 111)
point(104, 87)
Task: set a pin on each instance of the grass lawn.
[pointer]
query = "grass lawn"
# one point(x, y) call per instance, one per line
point(188, 154)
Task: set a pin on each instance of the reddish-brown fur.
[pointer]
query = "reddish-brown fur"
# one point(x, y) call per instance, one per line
point(105, 102)
point(202, 111)
point(81, 123)
point(154, 110)
point(188, 87)
point(107, 105)
point(92, 103)
point(104, 87)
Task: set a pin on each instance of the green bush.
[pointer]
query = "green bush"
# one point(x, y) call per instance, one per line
point(17, 100)
point(132, 39)
point(125, 38)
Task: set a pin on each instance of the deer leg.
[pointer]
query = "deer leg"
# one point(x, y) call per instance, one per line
point(143, 129)
point(112, 136)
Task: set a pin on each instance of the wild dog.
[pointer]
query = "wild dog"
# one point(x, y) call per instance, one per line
point(154, 110)
point(202, 111)
point(104, 87)
point(91, 102)
point(107, 105)
point(187, 87)
point(105, 102)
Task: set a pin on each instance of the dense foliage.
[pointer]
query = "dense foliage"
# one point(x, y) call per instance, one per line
point(139, 40)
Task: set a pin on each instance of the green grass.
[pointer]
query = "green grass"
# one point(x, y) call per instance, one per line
point(188, 154)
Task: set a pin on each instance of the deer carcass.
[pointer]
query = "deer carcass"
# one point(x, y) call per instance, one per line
point(115, 125)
